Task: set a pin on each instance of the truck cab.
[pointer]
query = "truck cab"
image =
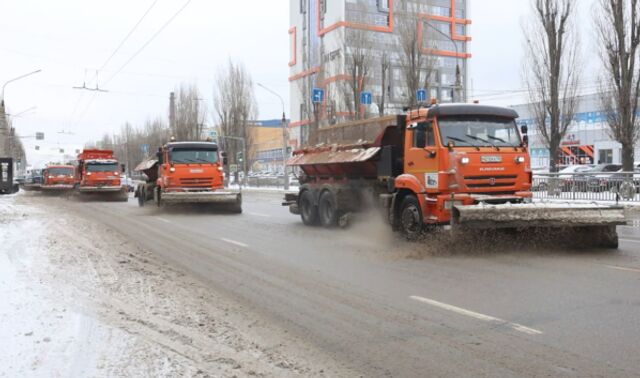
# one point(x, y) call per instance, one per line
point(59, 177)
point(187, 172)
point(464, 155)
point(190, 167)
point(98, 174)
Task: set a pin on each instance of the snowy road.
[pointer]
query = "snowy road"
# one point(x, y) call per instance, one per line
point(333, 303)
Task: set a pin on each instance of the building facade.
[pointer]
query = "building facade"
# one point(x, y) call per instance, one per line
point(588, 140)
point(326, 35)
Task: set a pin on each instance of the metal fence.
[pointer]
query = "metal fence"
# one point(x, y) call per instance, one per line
point(618, 186)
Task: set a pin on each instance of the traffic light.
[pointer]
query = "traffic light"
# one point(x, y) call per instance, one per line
point(239, 157)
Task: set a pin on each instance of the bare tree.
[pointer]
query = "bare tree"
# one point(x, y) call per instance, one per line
point(618, 28)
point(235, 105)
point(552, 71)
point(417, 64)
point(189, 113)
point(358, 66)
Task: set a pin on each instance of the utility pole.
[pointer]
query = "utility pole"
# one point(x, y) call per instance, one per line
point(457, 96)
point(172, 113)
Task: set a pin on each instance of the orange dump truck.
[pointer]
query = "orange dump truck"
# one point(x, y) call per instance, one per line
point(459, 165)
point(98, 176)
point(59, 178)
point(187, 172)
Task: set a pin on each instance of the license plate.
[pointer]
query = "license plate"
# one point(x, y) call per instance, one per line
point(111, 177)
point(491, 159)
point(197, 171)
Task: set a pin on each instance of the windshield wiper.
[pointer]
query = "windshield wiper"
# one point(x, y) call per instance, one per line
point(483, 140)
point(465, 141)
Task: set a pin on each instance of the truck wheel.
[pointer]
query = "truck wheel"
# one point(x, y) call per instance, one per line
point(158, 197)
point(308, 211)
point(411, 222)
point(142, 194)
point(328, 210)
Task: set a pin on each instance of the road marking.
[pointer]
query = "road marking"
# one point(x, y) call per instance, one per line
point(630, 241)
point(476, 315)
point(234, 242)
point(260, 215)
point(623, 268)
point(163, 220)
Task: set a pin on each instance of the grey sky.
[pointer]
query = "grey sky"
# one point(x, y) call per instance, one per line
point(66, 37)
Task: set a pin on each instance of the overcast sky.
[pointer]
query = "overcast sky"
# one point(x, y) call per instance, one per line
point(70, 39)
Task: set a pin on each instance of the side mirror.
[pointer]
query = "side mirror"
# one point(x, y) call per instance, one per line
point(123, 167)
point(225, 159)
point(525, 140)
point(524, 129)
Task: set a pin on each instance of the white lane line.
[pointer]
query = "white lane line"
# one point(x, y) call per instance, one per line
point(163, 220)
point(476, 315)
point(239, 244)
point(630, 241)
point(260, 215)
point(622, 268)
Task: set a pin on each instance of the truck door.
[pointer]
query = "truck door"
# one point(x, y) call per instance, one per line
point(421, 158)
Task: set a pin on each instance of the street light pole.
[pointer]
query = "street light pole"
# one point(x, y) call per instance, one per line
point(284, 137)
point(458, 73)
point(15, 79)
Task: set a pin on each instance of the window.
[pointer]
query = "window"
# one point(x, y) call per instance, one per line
point(479, 131)
point(423, 135)
point(383, 5)
point(606, 157)
point(195, 155)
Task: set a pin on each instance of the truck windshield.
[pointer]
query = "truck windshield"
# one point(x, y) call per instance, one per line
point(193, 155)
point(479, 131)
point(111, 167)
point(60, 171)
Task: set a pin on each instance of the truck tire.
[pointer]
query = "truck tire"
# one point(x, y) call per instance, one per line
point(308, 211)
point(142, 196)
point(158, 197)
point(328, 210)
point(411, 222)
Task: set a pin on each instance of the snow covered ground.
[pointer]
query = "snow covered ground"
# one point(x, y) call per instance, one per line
point(78, 300)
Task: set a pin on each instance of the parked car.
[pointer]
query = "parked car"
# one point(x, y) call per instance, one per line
point(596, 179)
point(568, 175)
point(615, 182)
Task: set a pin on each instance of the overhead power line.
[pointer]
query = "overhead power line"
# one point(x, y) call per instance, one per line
point(148, 41)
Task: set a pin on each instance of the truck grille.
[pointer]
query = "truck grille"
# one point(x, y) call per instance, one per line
point(484, 182)
point(203, 182)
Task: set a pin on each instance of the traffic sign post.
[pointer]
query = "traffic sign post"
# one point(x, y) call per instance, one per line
point(366, 98)
point(421, 95)
point(318, 95)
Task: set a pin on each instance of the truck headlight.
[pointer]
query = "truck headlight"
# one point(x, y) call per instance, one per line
point(465, 160)
point(520, 160)
point(172, 169)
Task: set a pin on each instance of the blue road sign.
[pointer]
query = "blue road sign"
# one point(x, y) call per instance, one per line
point(318, 95)
point(421, 95)
point(365, 98)
point(144, 148)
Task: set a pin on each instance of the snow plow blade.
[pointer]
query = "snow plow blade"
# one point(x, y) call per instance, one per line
point(597, 223)
point(201, 197)
point(537, 215)
point(107, 193)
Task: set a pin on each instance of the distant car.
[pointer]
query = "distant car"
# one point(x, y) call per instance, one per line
point(128, 182)
point(568, 174)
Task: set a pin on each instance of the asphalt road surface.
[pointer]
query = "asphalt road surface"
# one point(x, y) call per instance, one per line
point(384, 307)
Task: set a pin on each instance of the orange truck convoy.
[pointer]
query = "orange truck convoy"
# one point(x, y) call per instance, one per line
point(187, 172)
point(59, 178)
point(459, 165)
point(98, 175)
